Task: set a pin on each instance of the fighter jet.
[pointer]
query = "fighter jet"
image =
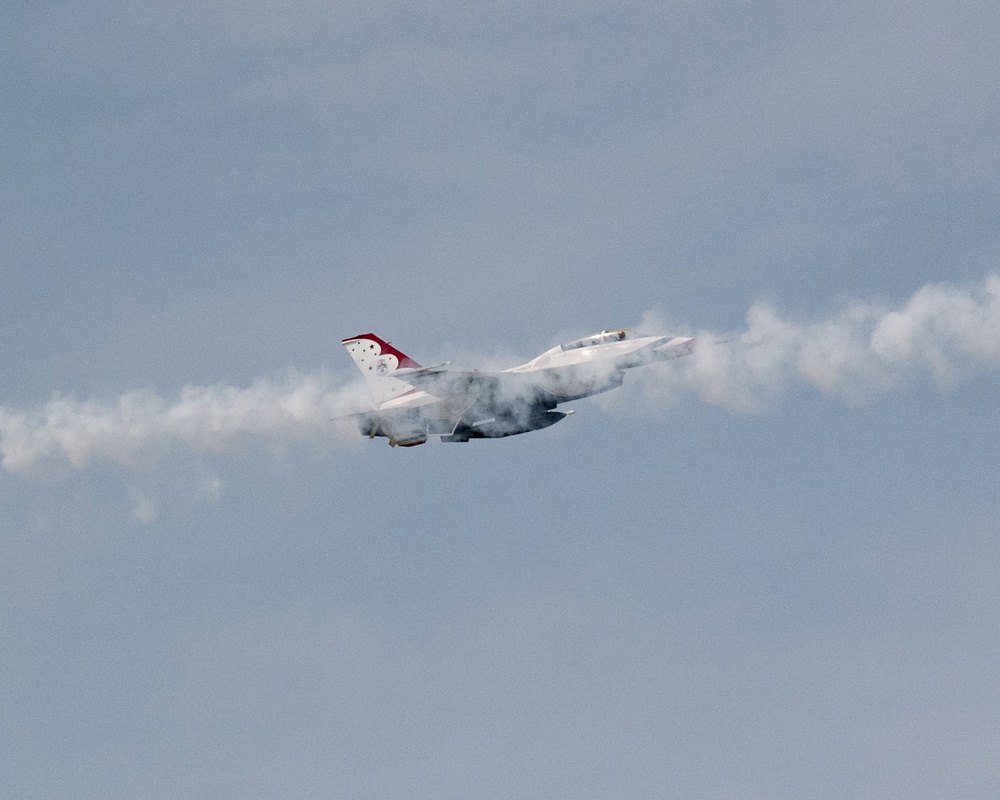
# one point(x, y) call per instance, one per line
point(413, 403)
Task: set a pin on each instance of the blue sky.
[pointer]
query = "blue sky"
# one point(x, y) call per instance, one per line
point(768, 573)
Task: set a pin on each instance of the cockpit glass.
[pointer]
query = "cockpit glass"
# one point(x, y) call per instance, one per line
point(600, 338)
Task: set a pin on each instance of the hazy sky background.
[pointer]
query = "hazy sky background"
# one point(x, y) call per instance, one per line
point(208, 590)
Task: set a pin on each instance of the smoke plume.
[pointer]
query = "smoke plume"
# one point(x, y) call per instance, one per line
point(941, 332)
point(141, 427)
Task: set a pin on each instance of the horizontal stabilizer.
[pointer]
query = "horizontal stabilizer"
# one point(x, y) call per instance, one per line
point(407, 372)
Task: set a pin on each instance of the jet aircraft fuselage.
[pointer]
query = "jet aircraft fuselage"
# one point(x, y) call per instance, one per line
point(413, 402)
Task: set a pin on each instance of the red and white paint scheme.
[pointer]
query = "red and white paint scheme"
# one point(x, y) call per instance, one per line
point(413, 403)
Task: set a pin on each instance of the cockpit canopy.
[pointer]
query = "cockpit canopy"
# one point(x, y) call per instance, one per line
point(604, 337)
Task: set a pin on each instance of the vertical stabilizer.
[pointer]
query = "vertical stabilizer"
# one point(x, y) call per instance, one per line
point(378, 360)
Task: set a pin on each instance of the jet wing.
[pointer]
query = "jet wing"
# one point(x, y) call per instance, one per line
point(452, 384)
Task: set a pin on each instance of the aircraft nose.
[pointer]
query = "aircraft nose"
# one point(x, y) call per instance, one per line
point(676, 347)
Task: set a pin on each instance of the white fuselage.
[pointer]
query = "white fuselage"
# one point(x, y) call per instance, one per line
point(414, 402)
point(566, 371)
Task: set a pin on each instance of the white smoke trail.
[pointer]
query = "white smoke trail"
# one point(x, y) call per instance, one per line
point(141, 427)
point(942, 331)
